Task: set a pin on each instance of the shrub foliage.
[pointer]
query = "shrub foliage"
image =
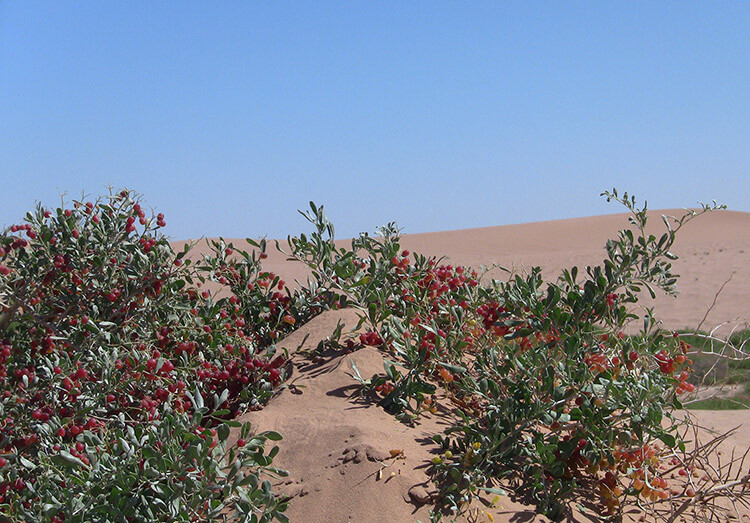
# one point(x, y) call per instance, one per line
point(551, 392)
point(119, 376)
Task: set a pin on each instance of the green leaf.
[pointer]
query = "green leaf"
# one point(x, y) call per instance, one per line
point(497, 491)
point(668, 439)
point(223, 431)
point(26, 463)
point(66, 459)
point(458, 369)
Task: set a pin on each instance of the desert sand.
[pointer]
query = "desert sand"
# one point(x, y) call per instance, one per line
point(337, 446)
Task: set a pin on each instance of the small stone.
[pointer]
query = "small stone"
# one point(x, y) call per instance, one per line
point(419, 494)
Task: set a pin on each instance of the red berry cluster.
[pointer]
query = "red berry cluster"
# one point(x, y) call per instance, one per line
point(371, 338)
point(99, 331)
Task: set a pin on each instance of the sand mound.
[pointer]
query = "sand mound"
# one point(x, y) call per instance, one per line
point(349, 460)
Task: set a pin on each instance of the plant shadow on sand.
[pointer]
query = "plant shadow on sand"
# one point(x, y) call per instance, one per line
point(321, 361)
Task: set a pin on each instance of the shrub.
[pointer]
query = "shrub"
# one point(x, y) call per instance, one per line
point(117, 374)
point(550, 389)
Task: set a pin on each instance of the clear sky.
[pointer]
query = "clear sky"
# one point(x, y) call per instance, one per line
point(229, 116)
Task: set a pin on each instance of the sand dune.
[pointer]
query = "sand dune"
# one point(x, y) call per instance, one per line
point(337, 446)
point(712, 249)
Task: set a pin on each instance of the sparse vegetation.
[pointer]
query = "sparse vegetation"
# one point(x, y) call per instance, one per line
point(121, 370)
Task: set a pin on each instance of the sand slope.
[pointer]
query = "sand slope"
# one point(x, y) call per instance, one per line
point(336, 442)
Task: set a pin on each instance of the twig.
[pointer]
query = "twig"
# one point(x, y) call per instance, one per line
point(713, 304)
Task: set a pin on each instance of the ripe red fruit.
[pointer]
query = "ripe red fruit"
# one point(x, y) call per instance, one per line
point(241, 442)
point(610, 480)
point(4, 461)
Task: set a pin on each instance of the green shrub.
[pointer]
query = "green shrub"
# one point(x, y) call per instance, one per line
point(118, 375)
point(550, 387)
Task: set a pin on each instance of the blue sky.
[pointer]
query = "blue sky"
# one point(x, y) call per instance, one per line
point(229, 116)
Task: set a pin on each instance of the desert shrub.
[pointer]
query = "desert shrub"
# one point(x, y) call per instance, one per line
point(549, 387)
point(117, 374)
point(415, 307)
point(260, 303)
